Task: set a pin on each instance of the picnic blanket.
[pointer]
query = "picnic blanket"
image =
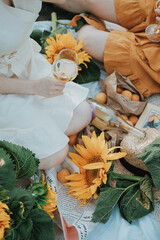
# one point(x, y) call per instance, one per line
point(116, 228)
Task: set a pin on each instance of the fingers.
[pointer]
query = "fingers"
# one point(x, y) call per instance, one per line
point(57, 82)
point(56, 91)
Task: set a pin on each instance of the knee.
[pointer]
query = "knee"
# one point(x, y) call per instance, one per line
point(53, 160)
point(84, 113)
point(85, 34)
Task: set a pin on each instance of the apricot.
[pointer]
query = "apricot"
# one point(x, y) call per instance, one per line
point(124, 117)
point(72, 139)
point(135, 97)
point(62, 174)
point(101, 97)
point(130, 123)
point(133, 119)
point(127, 94)
point(119, 90)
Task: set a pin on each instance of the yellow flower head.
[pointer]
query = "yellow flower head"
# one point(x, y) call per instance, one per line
point(51, 205)
point(4, 219)
point(65, 41)
point(94, 160)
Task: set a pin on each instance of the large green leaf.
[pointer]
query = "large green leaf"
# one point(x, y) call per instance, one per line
point(36, 35)
point(7, 173)
point(24, 159)
point(106, 202)
point(151, 159)
point(43, 225)
point(25, 229)
point(21, 203)
point(22, 231)
point(146, 187)
point(90, 74)
point(135, 203)
point(3, 194)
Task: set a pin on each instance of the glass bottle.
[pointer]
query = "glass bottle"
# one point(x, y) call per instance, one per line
point(106, 118)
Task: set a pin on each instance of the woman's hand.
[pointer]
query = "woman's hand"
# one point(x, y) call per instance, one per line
point(49, 87)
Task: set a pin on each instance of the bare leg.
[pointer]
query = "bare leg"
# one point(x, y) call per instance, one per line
point(94, 41)
point(53, 160)
point(81, 118)
point(104, 9)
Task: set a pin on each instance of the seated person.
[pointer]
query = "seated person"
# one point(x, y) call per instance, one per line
point(37, 111)
point(126, 49)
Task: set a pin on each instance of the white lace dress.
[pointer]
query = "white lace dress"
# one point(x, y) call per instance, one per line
point(35, 122)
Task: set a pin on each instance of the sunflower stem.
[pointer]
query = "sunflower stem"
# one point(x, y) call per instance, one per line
point(54, 21)
point(123, 176)
point(57, 21)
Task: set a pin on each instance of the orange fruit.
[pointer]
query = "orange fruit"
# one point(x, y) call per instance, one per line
point(127, 94)
point(130, 123)
point(62, 174)
point(135, 97)
point(119, 90)
point(101, 97)
point(133, 119)
point(72, 139)
point(124, 117)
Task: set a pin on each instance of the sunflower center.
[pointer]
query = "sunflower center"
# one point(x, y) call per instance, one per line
point(93, 174)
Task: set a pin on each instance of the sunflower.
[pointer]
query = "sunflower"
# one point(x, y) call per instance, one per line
point(51, 205)
point(65, 41)
point(4, 219)
point(94, 160)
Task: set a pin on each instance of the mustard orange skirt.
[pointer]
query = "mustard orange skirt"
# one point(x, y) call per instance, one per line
point(130, 52)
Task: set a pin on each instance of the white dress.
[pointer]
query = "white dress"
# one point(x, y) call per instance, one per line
point(35, 122)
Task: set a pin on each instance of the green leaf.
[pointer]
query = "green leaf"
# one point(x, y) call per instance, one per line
point(134, 203)
point(106, 202)
point(3, 194)
point(80, 22)
point(59, 30)
point(22, 232)
point(90, 74)
point(21, 203)
point(124, 183)
point(25, 229)
point(45, 34)
point(24, 159)
point(146, 187)
point(151, 159)
point(36, 35)
point(43, 225)
point(7, 173)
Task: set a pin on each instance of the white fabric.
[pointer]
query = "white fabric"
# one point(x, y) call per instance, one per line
point(35, 122)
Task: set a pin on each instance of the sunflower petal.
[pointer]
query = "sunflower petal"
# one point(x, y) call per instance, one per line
point(113, 148)
point(115, 156)
point(96, 165)
point(93, 188)
point(75, 177)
